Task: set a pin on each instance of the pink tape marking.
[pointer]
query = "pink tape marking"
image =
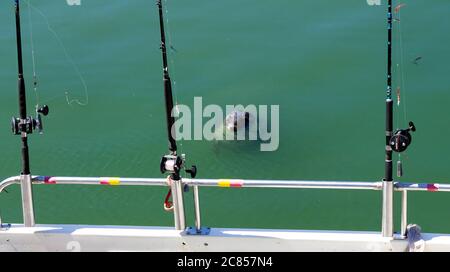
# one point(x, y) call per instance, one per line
point(49, 180)
point(236, 183)
point(431, 187)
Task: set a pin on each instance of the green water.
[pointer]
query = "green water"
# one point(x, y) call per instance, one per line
point(322, 61)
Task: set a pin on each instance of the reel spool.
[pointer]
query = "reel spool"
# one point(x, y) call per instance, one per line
point(29, 124)
point(173, 164)
point(402, 138)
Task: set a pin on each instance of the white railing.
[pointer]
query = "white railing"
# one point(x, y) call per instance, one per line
point(177, 189)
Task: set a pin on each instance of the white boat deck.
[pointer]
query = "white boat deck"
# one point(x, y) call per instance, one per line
point(120, 238)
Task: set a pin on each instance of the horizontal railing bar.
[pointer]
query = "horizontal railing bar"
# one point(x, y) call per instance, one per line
point(100, 181)
point(211, 182)
point(233, 183)
point(9, 181)
point(429, 187)
point(284, 184)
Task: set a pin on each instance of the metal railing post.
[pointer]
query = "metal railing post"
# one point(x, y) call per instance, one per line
point(198, 222)
point(27, 200)
point(178, 204)
point(404, 212)
point(387, 229)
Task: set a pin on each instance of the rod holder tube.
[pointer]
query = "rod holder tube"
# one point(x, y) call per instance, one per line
point(27, 200)
point(198, 222)
point(178, 205)
point(387, 229)
point(388, 174)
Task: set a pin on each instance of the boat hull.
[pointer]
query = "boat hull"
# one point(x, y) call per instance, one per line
point(119, 238)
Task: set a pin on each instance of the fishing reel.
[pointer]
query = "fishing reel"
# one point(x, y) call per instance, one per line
point(29, 124)
point(401, 139)
point(174, 164)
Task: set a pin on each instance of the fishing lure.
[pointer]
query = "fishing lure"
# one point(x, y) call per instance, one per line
point(398, 96)
point(416, 60)
point(398, 7)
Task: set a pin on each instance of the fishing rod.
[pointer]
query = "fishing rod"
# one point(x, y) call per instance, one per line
point(24, 125)
point(171, 163)
point(397, 141)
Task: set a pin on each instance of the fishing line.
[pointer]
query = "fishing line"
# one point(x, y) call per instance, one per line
point(402, 71)
point(33, 57)
point(398, 87)
point(173, 51)
point(400, 80)
point(401, 92)
point(172, 57)
point(68, 58)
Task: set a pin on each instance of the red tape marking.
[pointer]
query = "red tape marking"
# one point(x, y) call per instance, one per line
point(236, 184)
point(432, 188)
point(49, 180)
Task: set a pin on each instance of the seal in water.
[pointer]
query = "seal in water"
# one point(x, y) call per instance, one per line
point(236, 120)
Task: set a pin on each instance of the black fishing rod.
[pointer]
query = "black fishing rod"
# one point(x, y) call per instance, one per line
point(23, 126)
point(171, 163)
point(167, 84)
point(389, 103)
point(397, 141)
